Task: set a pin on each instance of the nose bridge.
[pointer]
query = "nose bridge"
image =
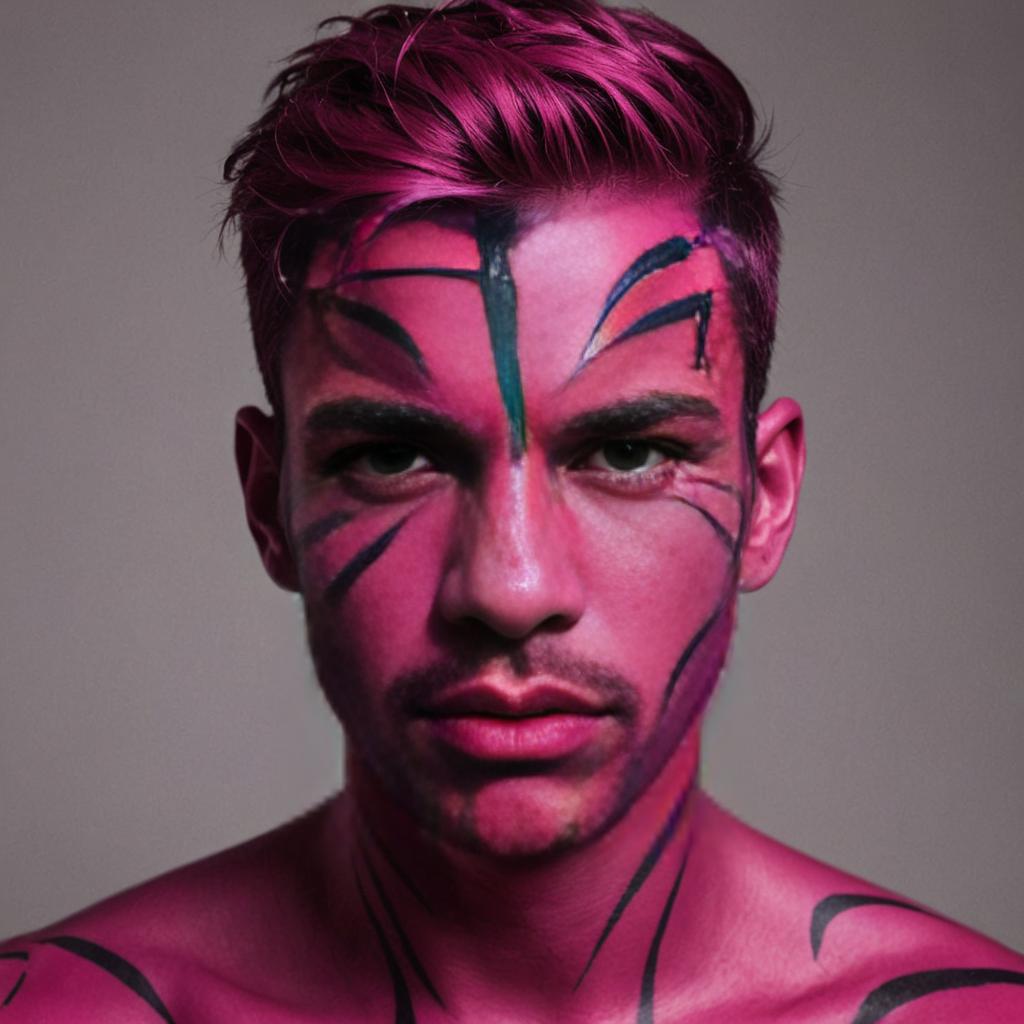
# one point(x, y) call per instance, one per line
point(515, 568)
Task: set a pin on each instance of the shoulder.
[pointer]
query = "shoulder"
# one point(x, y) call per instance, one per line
point(168, 949)
point(858, 953)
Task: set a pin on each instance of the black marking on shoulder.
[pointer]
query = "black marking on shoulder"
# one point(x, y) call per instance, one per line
point(14, 954)
point(14, 991)
point(126, 973)
point(831, 906)
point(645, 1011)
point(908, 987)
point(342, 583)
point(651, 858)
point(403, 1001)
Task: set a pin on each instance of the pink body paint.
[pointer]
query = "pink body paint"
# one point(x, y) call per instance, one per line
point(520, 648)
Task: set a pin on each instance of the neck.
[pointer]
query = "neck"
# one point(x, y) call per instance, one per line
point(576, 933)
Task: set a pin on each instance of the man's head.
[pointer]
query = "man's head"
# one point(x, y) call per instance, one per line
point(512, 278)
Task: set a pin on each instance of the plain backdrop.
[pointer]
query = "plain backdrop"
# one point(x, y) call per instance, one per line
point(157, 701)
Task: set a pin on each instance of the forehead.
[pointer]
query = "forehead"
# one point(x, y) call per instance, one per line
point(572, 296)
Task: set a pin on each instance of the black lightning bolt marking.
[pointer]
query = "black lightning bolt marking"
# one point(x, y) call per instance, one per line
point(908, 987)
point(829, 907)
point(499, 295)
point(651, 858)
point(342, 583)
point(403, 938)
point(645, 1012)
point(378, 322)
point(126, 973)
point(403, 1002)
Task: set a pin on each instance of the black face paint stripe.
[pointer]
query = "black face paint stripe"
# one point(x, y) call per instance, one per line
point(697, 306)
point(403, 938)
point(14, 991)
point(499, 294)
point(343, 581)
point(126, 973)
point(322, 528)
point(389, 857)
point(720, 531)
point(14, 954)
point(664, 254)
point(378, 322)
point(645, 1012)
point(403, 1001)
point(838, 903)
point(651, 858)
point(688, 653)
point(908, 987)
point(386, 272)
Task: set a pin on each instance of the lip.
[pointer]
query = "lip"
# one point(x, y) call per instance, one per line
point(496, 721)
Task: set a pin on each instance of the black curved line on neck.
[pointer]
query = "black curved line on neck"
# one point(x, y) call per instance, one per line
point(407, 947)
point(126, 973)
point(403, 1001)
point(375, 320)
point(400, 874)
point(651, 858)
point(645, 1011)
point(355, 567)
point(322, 528)
point(908, 987)
point(14, 991)
point(831, 906)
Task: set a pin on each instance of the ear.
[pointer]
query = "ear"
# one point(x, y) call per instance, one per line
point(779, 469)
point(259, 460)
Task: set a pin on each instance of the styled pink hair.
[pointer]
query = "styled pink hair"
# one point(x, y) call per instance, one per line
point(497, 103)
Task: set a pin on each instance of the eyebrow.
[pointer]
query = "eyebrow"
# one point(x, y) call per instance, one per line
point(385, 419)
point(642, 413)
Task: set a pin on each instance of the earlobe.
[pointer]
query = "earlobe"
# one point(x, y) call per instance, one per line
point(259, 463)
point(780, 455)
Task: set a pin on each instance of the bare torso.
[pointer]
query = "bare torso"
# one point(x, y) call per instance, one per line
point(253, 934)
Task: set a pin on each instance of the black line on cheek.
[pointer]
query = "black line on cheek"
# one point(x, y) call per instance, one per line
point(355, 567)
point(378, 322)
point(322, 528)
point(908, 987)
point(651, 858)
point(688, 653)
point(403, 939)
point(14, 991)
point(720, 531)
point(645, 1012)
point(838, 903)
point(126, 973)
point(403, 1002)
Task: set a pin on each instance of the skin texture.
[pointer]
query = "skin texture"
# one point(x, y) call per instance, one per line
point(516, 494)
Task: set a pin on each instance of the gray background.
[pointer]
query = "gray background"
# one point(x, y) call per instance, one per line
point(157, 701)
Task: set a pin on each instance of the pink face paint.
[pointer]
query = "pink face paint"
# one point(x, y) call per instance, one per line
point(509, 654)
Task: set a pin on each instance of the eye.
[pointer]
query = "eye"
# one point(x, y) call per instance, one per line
point(625, 456)
point(379, 460)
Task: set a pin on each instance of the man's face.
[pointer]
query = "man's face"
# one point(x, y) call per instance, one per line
point(515, 477)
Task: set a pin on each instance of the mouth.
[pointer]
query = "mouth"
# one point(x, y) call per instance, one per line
point(498, 721)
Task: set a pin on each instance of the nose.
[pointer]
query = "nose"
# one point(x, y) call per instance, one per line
point(511, 566)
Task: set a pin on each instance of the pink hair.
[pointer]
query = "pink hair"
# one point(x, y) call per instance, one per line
point(497, 103)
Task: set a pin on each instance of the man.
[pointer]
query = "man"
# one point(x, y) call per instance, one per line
point(511, 270)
